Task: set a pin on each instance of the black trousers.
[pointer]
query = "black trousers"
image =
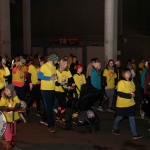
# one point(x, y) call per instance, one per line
point(61, 96)
point(35, 96)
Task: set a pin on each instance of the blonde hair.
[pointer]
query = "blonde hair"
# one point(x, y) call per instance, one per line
point(61, 65)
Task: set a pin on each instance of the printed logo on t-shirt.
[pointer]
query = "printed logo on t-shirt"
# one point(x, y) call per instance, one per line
point(81, 82)
point(63, 79)
point(111, 74)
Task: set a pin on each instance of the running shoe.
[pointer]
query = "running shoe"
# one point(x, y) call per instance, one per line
point(137, 137)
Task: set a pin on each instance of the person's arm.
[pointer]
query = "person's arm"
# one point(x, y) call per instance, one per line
point(124, 95)
point(14, 70)
point(43, 77)
point(133, 73)
point(6, 71)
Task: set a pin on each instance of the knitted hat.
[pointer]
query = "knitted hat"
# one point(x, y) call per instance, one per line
point(79, 66)
point(96, 64)
point(53, 57)
point(10, 87)
point(23, 61)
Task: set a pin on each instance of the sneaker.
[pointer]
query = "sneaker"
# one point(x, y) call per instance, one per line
point(116, 132)
point(55, 110)
point(39, 114)
point(142, 114)
point(110, 109)
point(137, 137)
point(43, 122)
point(100, 108)
point(52, 130)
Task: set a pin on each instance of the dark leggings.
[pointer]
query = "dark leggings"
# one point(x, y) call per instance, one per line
point(20, 91)
point(61, 96)
point(35, 96)
point(142, 93)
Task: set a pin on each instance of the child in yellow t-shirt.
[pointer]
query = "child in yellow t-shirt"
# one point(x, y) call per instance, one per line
point(8, 102)
point(79, 78)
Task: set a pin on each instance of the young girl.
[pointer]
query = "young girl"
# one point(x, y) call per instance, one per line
point(79, 78)
point(96, 81)
point(9, 101)
point(4, 71)
point(18, 80)
point(64, 76)
point(125, 105)
point(34, 84)
point(109, 81)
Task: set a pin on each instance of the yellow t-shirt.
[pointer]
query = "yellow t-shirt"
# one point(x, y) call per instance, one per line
point(79, 81)
point(3, 72)
point(125, 87)
point(141, 66)
point(34, 74)
point(110, 78)
point(62, 78)
point(18, 76)
point(48, 70)
point(11, 103)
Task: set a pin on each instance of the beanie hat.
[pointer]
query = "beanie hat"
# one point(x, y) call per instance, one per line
point(53, 57)
point(79, 66)
point(96, 64)
point(10, 87)
point(23, 61)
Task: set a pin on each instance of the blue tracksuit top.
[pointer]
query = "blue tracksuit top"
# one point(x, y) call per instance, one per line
point(96, 79)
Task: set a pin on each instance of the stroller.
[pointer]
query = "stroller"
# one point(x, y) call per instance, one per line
point(85, 113)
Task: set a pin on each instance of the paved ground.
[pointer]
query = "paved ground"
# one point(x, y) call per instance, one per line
point(35, 136)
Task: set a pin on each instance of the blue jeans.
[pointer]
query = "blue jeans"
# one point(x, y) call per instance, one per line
point(131, 121)
point(48, 99)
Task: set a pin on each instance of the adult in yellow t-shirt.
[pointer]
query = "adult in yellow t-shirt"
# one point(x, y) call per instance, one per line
point(109, 80)
point(47, 75)
point(64, 77)
point(125, 105)
point(34, 84)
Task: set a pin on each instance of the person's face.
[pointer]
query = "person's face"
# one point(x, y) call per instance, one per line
point(127, 75)
point(74, 59)
point(66, 57)
point(99, 66)
point(118, 64)
point(80, 70)
point(65, 65)
point(7, 92)
point(146, 64)
point(111, 63)
point(143, 60)
point(16, 58)
point(55, 62)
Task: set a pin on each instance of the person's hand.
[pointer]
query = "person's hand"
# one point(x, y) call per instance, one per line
point(39, 82)
point(31, 86)
point(52, 78)
point(73, 84)
point(132, 95)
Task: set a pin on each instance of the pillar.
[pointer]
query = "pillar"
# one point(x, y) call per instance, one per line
point(110, 29)
point(5, 38)
point(26, 27)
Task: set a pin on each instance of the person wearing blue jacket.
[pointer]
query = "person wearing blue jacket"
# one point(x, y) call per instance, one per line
point(96, 81)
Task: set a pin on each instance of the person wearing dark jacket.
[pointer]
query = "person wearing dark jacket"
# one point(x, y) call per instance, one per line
point(73, 65)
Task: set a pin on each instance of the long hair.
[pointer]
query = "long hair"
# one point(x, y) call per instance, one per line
point(61, 65)
point(35, 62)
point(109, 62)
point(123, 73)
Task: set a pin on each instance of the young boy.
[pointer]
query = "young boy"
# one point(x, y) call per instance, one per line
point(8, 102)
point(79, 78)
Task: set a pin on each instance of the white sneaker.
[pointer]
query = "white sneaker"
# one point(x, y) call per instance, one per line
point(142, 114)
point(55, 110)
point(100, 108)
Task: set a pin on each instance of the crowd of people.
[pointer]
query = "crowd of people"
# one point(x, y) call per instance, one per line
point(44, 79)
